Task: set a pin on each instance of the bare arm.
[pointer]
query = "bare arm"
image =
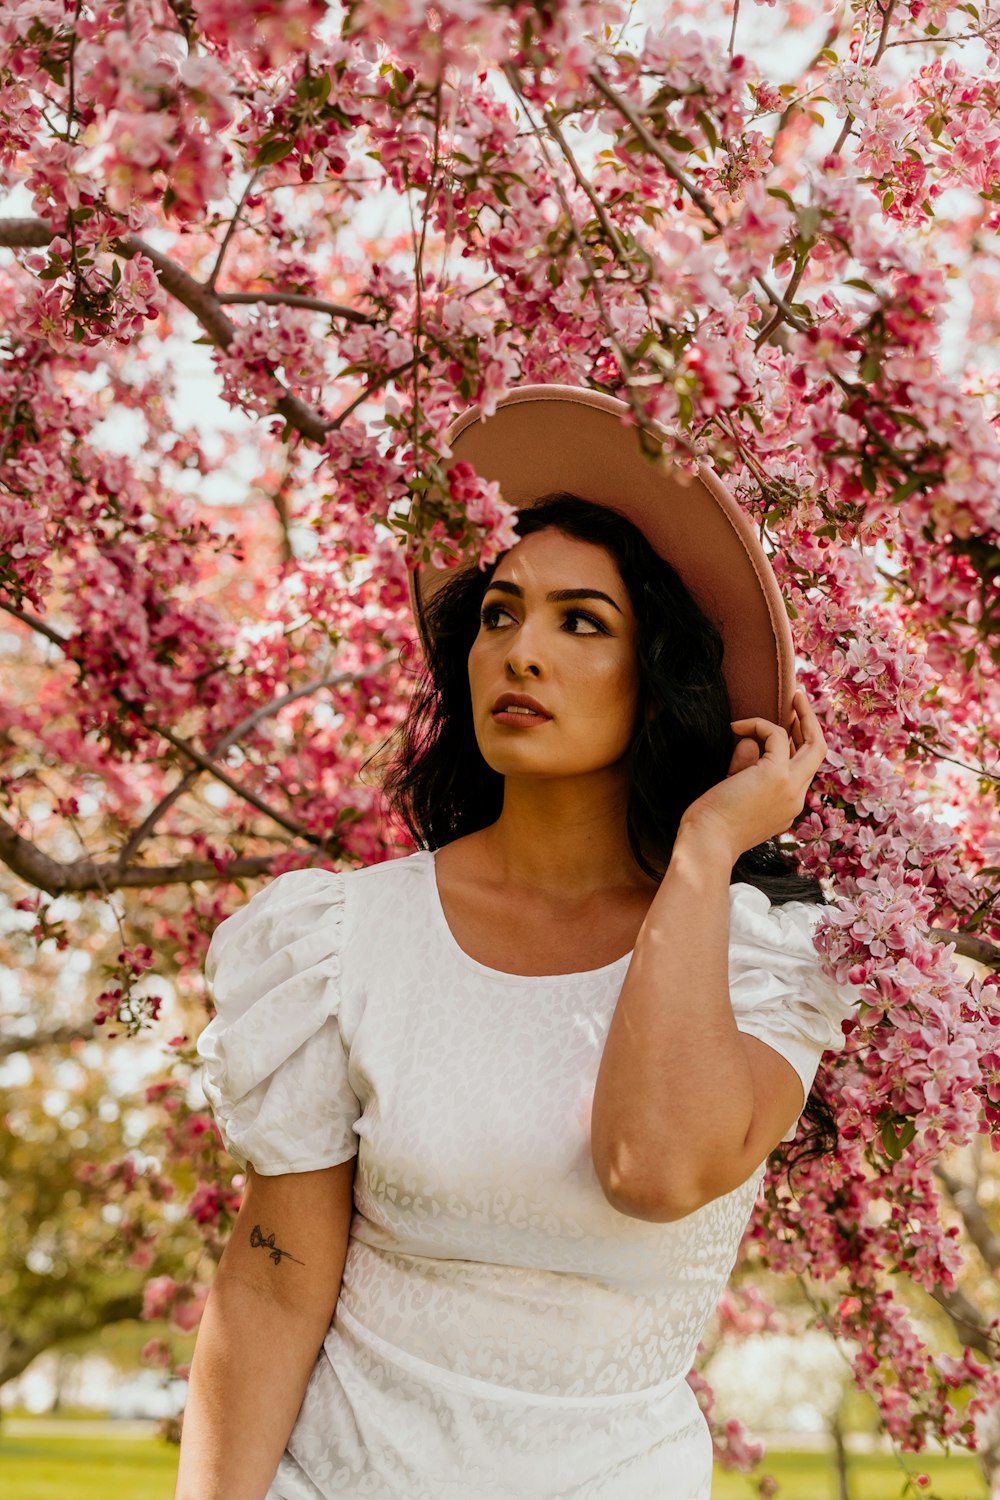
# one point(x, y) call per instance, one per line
point(686, 1107)
point(268, 1311)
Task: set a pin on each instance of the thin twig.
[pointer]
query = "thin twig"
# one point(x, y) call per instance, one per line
point(883, 40)
point(418, 274)
point(71, 105)
point(373, 385)
point(624, 360)
point(296, 299)
point(238, 732)
point(198, 298)
point(184, 747)
point(599, 209)
point(685, 183)
point(231, 229)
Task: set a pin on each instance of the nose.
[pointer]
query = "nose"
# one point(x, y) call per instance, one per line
point(523, 656)
point(519, 665)
point(526, 647)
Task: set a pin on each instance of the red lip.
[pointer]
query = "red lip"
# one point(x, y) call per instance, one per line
point(519, 700)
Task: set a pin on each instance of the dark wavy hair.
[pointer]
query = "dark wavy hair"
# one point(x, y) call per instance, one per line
point(438, 784)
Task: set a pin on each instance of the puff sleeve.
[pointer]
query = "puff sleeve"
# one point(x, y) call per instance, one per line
point(275, 1064)
point(779, 991)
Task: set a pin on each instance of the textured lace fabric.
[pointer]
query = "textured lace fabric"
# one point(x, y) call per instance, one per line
point(502, 1333)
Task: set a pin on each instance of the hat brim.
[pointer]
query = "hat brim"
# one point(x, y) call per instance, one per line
point(543, 438)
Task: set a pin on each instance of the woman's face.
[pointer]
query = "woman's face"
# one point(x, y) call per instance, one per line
point(557, 627)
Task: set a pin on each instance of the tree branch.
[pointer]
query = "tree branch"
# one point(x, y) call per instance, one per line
point(15, 850)
point(624, 361)
point(58, 1036)
point(233, 736)
point(231, 229)
point(19, 1352)
point(196, 296)
point(968, 1322)
point(38, 869)
point(966, 1200)
point(980, 950)
point(684, 182)
point(296, 299)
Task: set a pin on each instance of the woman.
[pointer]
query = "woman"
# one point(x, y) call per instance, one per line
point(565, 1035)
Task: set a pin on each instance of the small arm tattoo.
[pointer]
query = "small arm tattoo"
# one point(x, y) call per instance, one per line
point(257, 1239)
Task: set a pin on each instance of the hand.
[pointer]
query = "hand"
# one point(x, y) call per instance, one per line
point(766, 784)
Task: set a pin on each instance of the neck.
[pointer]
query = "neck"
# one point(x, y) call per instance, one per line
point(563, 835)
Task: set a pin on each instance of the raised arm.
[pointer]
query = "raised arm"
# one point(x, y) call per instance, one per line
point(685, 1106)
point(263, 1326)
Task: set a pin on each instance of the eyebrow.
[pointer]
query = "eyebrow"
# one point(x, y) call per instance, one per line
point(559, 596)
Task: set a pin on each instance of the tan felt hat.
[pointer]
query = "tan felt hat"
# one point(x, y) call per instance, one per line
point(543, 438)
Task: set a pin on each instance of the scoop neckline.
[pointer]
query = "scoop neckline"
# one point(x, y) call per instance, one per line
point(452, 943)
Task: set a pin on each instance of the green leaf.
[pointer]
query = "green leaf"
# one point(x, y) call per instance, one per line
point(809, 217)
point(871, 369)
point(678, 142)
point(272, 151)
point(907, 488)
point(708, 126)
point(55, 70)
point(891, 1142)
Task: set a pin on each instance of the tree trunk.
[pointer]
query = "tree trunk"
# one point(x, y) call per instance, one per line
point(840, 1458)
point(988, 1438)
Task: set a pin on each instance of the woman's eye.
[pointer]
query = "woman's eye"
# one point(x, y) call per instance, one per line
point(590, 625)
point(490, 615)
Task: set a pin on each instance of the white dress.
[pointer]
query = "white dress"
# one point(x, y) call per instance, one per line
point(502, 1333)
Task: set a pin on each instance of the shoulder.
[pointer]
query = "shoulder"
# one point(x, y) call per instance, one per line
point(397, 885)
point(303, 912)
point(775, 967)
point(405, 870)
point(788, 928)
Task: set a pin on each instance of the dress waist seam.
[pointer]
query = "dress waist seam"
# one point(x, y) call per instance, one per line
point(471, 1385)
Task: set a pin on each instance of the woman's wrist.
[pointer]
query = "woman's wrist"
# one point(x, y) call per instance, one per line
point(706, 836)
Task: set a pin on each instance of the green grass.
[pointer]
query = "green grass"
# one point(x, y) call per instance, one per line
point(874, 1476)
point(82, 1468)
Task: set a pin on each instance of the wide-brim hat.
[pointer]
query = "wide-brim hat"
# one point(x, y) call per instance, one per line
point(543, 438)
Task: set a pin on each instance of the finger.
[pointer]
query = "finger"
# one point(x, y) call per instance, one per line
point(774, 739)
point(746, 754)
point(813, 746)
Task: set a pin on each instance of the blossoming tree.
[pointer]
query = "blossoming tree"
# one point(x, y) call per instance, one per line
point(772, 230)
